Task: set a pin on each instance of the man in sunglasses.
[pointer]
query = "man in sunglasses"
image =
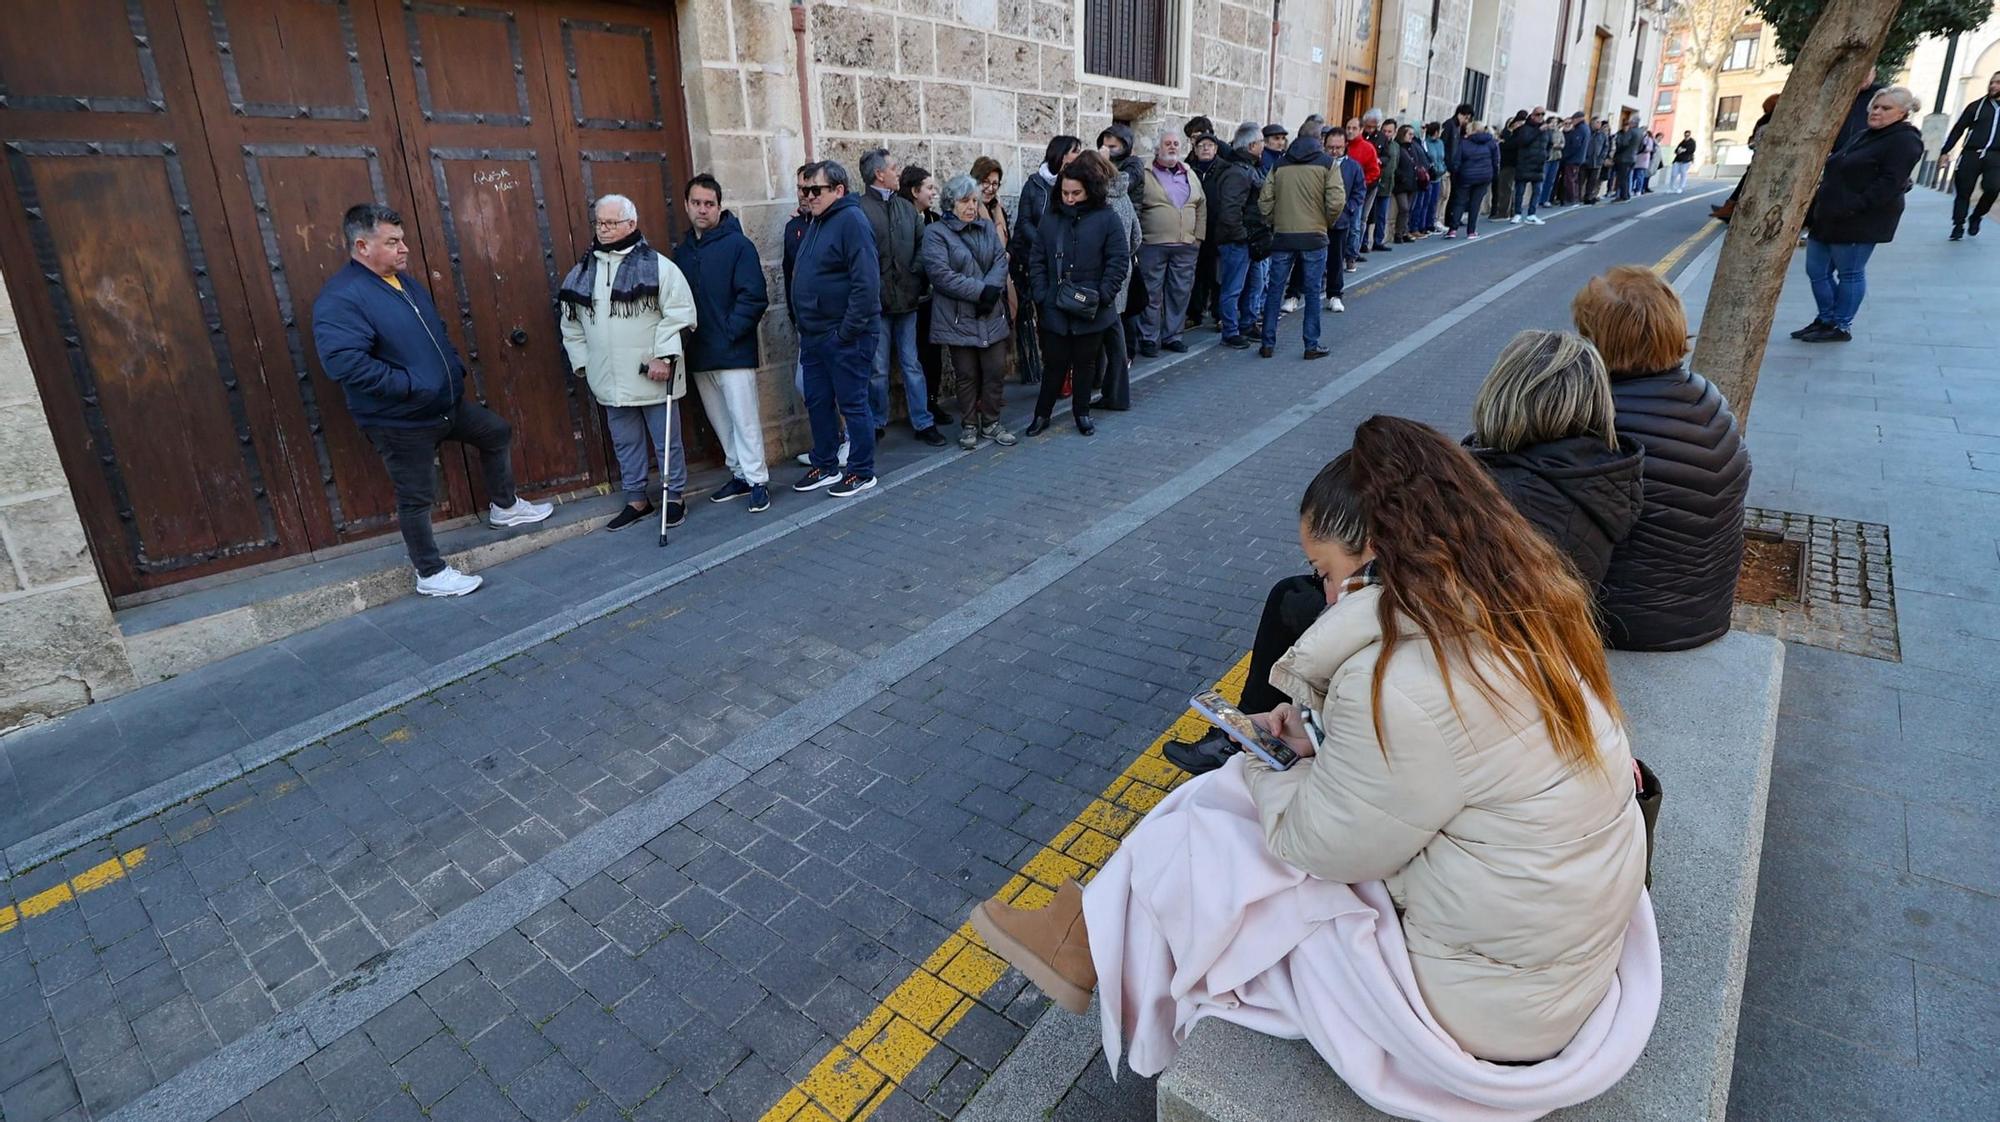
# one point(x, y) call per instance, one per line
point(836, 300)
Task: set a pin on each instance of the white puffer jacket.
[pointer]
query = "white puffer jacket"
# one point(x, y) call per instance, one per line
point(613, 350)
point(1514, 874)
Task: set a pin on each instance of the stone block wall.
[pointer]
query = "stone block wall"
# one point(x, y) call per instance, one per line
point(59, 646)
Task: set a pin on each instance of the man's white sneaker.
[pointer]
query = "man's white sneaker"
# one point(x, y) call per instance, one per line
point(1514, 221)
point(1333, 304)
point(521, 513)
point(448, 582)
point(1290, 305)
point(1536, 220)
point(805, 459)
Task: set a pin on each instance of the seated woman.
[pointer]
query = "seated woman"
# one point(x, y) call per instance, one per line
point(1672, 582)
point(1542, 427)
point(1452, 870)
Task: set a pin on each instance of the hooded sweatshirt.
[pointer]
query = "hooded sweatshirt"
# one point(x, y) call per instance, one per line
point(1583, 497)
point(722, 268)
point(1133, 167)
point(1303, 198)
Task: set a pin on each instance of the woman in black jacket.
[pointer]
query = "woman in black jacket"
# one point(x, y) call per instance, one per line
point(1028, 211)
point(1473, 169)
point(1857, 207)
point(1671, 583)
point(1081, 258)
point(1531, 158)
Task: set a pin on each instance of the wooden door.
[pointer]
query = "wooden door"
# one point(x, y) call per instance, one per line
point(1597, 65)
point(301, 126)
point(479, 132)
point(119, 261)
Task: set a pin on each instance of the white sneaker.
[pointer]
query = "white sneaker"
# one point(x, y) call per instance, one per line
point(1290, 305)
point(521, 513)
point(1514, 221)
point(805, 459)
point(1333, 304)
point(1536, 220)
point(448, 582)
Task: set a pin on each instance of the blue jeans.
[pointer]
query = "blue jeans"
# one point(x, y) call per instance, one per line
point(1232, 266)
point(1530, 188)
point(1838, 272)
point(1252, 307)
point(1378, 219)
point(1549, 172)
point(898, 333)
point(1355, 231)
point(1274, 291)
point(836, 387)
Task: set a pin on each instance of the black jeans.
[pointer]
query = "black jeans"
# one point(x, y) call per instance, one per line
point(1976, 171)
point(1292, 606)
point(1076, 355)
point(411, 456)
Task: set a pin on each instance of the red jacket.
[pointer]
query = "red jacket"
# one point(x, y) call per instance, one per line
point(1364, 154)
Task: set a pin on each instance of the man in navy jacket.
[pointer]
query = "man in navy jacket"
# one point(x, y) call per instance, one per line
point(836, 300)
point(379, 336)
point(727, 279)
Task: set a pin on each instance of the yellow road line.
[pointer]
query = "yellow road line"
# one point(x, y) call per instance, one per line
point(90, 880)
point(1673, 257)
point(856, 1075)
point(1396, 274)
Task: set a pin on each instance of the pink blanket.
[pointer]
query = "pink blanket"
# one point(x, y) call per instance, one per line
point(1193, 918)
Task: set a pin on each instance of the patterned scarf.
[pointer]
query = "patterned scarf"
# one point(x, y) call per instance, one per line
point(635, 288)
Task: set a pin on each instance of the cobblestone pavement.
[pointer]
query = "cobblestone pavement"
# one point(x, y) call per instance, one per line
point(708, 856)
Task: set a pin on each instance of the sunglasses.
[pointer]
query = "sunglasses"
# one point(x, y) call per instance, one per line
point(815, 190)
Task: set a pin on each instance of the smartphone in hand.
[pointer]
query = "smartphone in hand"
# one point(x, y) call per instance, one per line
point(1238, 726)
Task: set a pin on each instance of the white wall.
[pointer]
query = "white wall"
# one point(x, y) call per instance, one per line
point(1529, 57)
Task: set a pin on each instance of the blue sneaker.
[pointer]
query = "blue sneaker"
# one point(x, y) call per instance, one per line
point(734, 489)
point(760, 498)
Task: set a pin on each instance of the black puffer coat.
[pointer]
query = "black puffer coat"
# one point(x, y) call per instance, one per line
point(1672, 583)
point(1860, 196)
point(1583, 497)
point(1531, 152)
point(1086, 246)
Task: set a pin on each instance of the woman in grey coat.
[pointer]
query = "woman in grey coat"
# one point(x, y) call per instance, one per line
point(1116, 381)
point(966, 264)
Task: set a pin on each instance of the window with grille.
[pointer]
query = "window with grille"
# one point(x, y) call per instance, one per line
point(1474, 92)
point(1742, 53)
point(1638, 59)
point(1133, 40)
point(1728, 111)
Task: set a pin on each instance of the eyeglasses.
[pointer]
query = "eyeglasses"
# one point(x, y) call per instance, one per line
point(815, 190)
point(613, 223)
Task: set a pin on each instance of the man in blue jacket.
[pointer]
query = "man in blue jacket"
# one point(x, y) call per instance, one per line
point(727, 279)
point(837, 304)
point(1355, 181)
point(379, 336)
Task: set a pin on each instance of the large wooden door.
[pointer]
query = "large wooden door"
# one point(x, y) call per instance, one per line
point(176, 173)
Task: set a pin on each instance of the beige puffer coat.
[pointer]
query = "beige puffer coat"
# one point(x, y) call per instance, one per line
point(611, 350)
point(1515, 875)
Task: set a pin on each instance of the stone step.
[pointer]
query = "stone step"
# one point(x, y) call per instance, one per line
point(1704, 721)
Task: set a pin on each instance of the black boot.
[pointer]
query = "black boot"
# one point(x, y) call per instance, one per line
point(1204, 755)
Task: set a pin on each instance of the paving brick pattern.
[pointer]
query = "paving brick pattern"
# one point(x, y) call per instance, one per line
point(706, 973)
point(1850, 595)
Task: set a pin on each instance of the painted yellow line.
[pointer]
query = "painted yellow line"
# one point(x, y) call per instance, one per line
point(856, 1075)
point(1397, 274)
point(1673, 257)
point(90, 880)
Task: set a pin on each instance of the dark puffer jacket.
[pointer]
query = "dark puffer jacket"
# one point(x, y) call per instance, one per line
point(1531, 151)
point(1860, 196)
point(1478, 160)
point(1671, 584)
point(1086, 246)
point(1583, 497)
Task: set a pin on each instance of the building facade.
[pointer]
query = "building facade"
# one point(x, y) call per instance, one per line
point(176, 171)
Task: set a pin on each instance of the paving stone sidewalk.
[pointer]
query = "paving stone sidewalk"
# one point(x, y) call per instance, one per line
point(706, 972)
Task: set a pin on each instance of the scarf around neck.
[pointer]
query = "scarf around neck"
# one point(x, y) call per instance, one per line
point(635, 288)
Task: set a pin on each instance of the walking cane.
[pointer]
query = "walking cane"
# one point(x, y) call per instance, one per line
point(667, 452)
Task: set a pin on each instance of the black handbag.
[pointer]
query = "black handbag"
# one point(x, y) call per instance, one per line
point(1070, 297)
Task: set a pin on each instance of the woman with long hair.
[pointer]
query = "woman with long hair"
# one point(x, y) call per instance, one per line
point(1081, 259)
point(1454, 866)
point(920, 187)
point(1029, 209)
point(1671, 583)
point(1114, 382)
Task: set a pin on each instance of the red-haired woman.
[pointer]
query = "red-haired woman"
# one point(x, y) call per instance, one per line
point(1453, 870)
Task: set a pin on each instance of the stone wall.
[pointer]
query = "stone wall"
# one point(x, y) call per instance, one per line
point(59, 647)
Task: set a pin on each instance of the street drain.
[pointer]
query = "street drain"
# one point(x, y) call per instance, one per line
point(1824, 582)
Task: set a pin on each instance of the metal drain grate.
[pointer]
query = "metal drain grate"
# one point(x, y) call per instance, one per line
point(1846, 594)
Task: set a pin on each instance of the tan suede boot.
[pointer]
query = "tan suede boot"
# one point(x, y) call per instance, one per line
point(1050, 945)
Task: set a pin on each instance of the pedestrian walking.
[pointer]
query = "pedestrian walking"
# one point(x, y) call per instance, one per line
point(1671, 584)
point(1677, 177)
point(726, 279)
point(1028, 211)
point(624, 308)
point(966, 262)
point(1235, 221)
point(836, 294)
point(1857, 207)
point(1531, 161)
point(1354, 186)
point(1478, 167)
point(898, 229)
point(379, 337)
point(1173, 218)
point(1081, 259)
point(1302, 200)
point(1978, 164)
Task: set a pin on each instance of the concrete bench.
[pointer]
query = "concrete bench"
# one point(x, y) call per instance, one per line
point(1704, 720)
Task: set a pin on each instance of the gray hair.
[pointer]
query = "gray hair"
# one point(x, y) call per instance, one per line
point(1167, 134)
point(361, 220)
point(1311, 125)
point(1546, 385)
point(620, 205)
point(1900, 97)
point(1247, 133)
point(960, 187)
point(872, 163)
point(1373, 117)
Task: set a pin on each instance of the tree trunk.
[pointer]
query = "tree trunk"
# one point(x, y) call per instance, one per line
point(1757, 252)
point(1708, 119)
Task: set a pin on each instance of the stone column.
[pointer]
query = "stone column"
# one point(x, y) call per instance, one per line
point(59, 647)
